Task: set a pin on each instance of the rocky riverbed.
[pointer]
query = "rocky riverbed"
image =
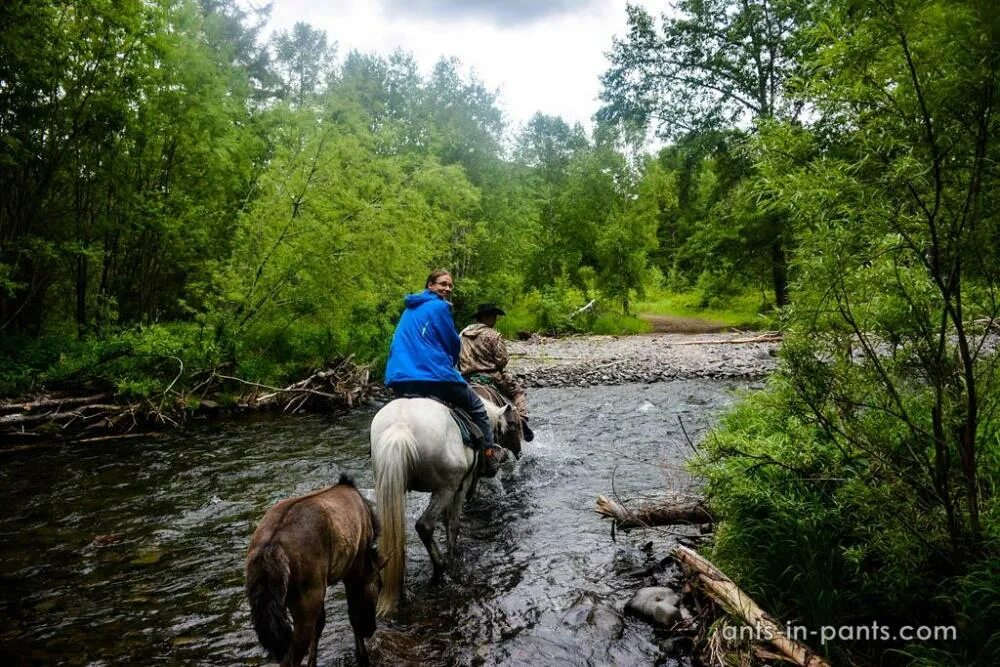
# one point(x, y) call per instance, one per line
point(616, 360)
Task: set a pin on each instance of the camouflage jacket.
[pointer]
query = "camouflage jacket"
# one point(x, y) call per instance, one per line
point(483, 350)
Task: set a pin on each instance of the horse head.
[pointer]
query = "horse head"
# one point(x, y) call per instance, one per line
point(503, 417)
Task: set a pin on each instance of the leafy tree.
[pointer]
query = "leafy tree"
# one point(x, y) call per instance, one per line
point(114, 114)
point(467, 125)
point(714, 65)
point(889, 388)
point(627, 237)
point(303, 60)
point(546, 146)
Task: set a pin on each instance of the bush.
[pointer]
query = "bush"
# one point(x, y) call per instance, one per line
point(825, 532)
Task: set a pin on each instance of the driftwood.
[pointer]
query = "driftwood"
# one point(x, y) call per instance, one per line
point(664, 513)
point(729, 595)
point(768, 337)
point(84, 411)
point(582, 310)
point(58, 403)
point(80, 418)
point(345, 383)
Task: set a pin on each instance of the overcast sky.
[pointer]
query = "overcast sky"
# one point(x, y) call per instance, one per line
point(542, 55)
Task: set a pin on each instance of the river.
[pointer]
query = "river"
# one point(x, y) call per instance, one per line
point(133, 552)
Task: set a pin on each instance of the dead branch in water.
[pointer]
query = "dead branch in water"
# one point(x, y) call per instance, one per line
point(82, 412)
point(576, 312)
point(733, 599)
point(58, 403)
point(341, 384)
point(666, 513)
point(345, 382)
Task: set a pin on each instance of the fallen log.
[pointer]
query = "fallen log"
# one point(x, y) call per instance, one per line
point(344, 383)
point(56, 416)
point(733, 599)
point(667, 513)
point(64, 402)
point(769, 337)
point(576, 312)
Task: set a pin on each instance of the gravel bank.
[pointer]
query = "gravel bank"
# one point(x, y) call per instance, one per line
point(614, 360)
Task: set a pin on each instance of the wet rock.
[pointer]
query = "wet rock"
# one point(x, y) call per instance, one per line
point(594, 617)
point(575, 360)
point(657, 603)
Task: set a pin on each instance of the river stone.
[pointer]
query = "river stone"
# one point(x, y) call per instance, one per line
point(593, 616)
point(658, 603)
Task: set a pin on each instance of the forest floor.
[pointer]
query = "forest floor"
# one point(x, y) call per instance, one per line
point(653, 357)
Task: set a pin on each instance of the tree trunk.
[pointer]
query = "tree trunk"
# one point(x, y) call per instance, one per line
point(666, 513)
point(734, 599)
point(779, 274)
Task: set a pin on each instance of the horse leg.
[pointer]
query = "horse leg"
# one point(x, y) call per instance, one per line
point(320, 624)
point(361, 612)
point(451, 518)
point(305, 613)
point(440, 501)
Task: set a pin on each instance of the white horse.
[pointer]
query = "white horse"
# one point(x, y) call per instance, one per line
point(417, 446)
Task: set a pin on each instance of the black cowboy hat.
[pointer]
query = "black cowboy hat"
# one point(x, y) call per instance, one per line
point(488, 309)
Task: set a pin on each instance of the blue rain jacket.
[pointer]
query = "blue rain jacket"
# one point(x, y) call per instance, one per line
point(425, 346)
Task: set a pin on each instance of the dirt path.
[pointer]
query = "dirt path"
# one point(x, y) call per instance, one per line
point(689, 325)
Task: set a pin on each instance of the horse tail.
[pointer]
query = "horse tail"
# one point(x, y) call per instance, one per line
point(392, 454)
point(267, 584)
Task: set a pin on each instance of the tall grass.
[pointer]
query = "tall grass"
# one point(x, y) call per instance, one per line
point(747, 310)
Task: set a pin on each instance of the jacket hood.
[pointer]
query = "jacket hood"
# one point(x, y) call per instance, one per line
point(420, 298)
point(473, 330)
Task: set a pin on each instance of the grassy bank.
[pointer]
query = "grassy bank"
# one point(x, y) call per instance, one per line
point(834, 528)
point(747, 310)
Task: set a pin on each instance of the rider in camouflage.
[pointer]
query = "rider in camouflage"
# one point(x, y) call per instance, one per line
point(484, 360)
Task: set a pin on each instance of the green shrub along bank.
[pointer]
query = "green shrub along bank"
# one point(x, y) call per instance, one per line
point(861, 485)
point(842, 529)
point(144, 361)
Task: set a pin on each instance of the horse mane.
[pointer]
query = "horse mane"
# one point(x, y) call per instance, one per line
point(347, 480)
point(495, 414)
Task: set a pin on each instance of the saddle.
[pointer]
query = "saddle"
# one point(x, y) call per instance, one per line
point(472, 435)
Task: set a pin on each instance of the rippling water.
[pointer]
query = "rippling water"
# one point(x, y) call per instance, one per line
point(133, 552)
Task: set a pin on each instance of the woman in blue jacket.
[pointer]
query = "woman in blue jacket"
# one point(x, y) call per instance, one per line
point(424, 355)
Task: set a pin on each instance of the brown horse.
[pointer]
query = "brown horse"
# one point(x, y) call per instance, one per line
point(510, 435)
point(301, 546)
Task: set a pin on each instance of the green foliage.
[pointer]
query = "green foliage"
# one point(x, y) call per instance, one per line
point(805, 531)
point(552, 307)
point(136, 363)
point(712, 64)
point(617, 324)
point(742, 309)
point(164, 166)
point(861, 484)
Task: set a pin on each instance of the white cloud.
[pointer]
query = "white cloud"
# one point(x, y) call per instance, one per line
point(506, 13)
point(541, 56)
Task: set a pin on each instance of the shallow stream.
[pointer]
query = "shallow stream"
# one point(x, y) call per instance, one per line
point(133, 552)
